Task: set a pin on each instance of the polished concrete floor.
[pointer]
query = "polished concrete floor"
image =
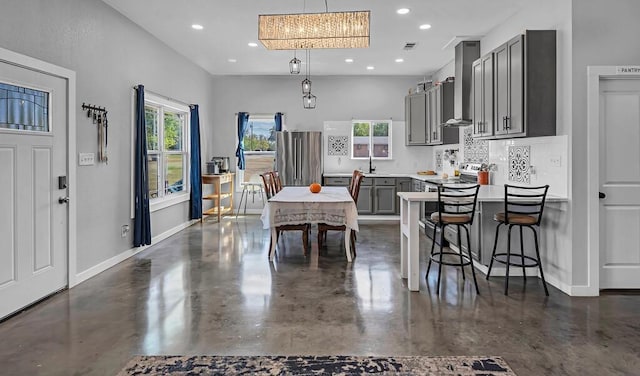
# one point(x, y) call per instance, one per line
point(211, 290)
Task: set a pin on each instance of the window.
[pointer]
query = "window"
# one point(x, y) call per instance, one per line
point(259, 147)
point(22, 108)
point(167, 150)
point(371, 138)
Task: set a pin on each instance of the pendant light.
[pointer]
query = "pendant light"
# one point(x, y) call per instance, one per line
point(309, 101)
point(306, 83)
point(294, 64)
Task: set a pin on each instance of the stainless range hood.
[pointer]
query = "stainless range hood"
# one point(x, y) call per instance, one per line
point(466, 53)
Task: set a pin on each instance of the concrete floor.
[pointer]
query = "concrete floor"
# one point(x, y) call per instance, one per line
point(211, 290)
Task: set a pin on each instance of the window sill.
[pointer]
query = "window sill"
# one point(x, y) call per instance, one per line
point(165, 203)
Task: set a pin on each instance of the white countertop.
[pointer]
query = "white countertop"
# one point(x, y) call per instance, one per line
point(487, 193)
point(384, 175)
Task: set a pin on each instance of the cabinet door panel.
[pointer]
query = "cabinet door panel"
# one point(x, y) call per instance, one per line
point(516, 86)
point(501, 89)
point(487, 95)
point(436, 119)
point(417, 119)
point(365, 202)
point(476, 88)
point(385, 200)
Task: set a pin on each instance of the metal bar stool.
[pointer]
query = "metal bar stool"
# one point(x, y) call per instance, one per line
point(456, 207)
point(523, 207)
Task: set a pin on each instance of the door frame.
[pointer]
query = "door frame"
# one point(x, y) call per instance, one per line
point(27, 62)
point(594, 75)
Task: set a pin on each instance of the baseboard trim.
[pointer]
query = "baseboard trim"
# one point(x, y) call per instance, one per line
point(115, 260)
point(584, 290)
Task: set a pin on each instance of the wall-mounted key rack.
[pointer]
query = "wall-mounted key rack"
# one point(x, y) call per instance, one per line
point(99, 117)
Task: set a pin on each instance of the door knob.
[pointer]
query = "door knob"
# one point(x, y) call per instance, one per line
point(601, 195)
point(63, 200)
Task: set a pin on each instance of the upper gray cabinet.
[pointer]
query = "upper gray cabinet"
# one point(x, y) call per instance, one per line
point(425, 112)
point(482, 98)
point(523, 71)
point(416, 119)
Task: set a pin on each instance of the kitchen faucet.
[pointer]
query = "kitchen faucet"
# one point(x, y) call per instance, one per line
point(371, 168)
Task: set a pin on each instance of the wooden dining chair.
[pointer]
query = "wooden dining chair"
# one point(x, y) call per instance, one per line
point(270, 189)
point(277, 182)
point(323, 228)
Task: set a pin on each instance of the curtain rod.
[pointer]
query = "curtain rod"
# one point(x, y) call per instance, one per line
point(164, 96)
point(262, 114)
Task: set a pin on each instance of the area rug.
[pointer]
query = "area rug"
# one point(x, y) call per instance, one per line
point(317, 365)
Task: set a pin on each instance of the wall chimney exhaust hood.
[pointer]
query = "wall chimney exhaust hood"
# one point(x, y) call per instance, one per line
point(466, 53)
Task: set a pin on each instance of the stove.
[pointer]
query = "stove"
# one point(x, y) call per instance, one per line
point(469, 172)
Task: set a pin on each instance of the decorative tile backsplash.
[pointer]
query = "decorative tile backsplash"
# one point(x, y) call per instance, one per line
point(520, 164)
point(475, 151)
point(438, 160)
point(338, 145)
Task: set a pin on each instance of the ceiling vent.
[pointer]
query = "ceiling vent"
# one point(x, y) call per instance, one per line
point(409, 46)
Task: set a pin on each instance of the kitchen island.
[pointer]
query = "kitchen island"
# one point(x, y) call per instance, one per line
point(490, 199)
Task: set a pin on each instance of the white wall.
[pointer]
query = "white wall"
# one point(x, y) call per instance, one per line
point(110, 55)
point(340, 98)
point(604, 33)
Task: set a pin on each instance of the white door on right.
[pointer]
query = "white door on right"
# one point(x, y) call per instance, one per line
point(620, 183)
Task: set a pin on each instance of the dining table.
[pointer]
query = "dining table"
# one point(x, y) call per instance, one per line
point(298, 205)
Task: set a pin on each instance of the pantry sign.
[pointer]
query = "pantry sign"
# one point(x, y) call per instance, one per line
point(628, 69)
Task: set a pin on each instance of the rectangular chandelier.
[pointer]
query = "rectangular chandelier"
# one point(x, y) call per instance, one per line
point(314, 30)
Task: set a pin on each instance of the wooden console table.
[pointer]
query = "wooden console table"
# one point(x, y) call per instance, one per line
point(218, 195)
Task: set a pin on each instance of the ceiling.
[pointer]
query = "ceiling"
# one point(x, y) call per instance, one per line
point(230, 25)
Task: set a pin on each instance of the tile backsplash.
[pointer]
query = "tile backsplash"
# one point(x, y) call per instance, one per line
point(475, 151)
point(541, 160)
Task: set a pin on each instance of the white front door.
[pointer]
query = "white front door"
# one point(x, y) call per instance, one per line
point(620, 183)
point(33, 154)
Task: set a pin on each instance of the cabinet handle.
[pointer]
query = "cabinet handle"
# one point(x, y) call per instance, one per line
point(504, 122)
point(508, 122)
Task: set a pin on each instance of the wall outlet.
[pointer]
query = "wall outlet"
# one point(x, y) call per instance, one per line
point(86, 159)
point(124, 230)
point(555, 161)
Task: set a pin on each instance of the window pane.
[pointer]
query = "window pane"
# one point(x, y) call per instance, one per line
point(257, 163)
point(360, 140)
point(152, 160)
point(151, 122)
point(174, 173)
point(381, 140)
point(173, 124)
point(23, 108)
point(260, 135)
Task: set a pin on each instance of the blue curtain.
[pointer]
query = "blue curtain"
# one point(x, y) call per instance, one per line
point(243, 119)
point(278, 121)
point(196, 178)
point(142, 220)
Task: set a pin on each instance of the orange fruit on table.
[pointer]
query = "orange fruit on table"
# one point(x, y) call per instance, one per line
point(315, 188)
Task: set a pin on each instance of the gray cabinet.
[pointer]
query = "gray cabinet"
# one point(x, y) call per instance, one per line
point(425, 112)
point(402, 185)
point(524, 89)
point(416, 119)
point(365, 197)
point(482, 97)
point(384, 196)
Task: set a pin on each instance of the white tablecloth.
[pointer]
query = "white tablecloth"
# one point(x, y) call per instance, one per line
point(296, 205)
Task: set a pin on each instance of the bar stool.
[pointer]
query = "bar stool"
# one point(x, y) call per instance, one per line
point(249, 187)
point(456, 207)
point(523, 207)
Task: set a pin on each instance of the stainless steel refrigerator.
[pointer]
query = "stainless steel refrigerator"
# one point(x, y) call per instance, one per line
point(299, 157)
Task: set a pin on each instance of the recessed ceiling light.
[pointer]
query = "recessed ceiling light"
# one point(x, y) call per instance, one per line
point(232, 60)
point(197, 27)
point(403, 11)
point(425, 27)
point(399, 60)
point(348, 60)
point(371, 67)
point(252, 44)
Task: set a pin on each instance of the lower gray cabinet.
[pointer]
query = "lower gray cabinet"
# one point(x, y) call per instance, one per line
point(384, 199)
point(365, 199)
point(402, 185)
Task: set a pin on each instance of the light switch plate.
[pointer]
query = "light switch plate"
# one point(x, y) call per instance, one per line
point(555, 161)
point(86, 159)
